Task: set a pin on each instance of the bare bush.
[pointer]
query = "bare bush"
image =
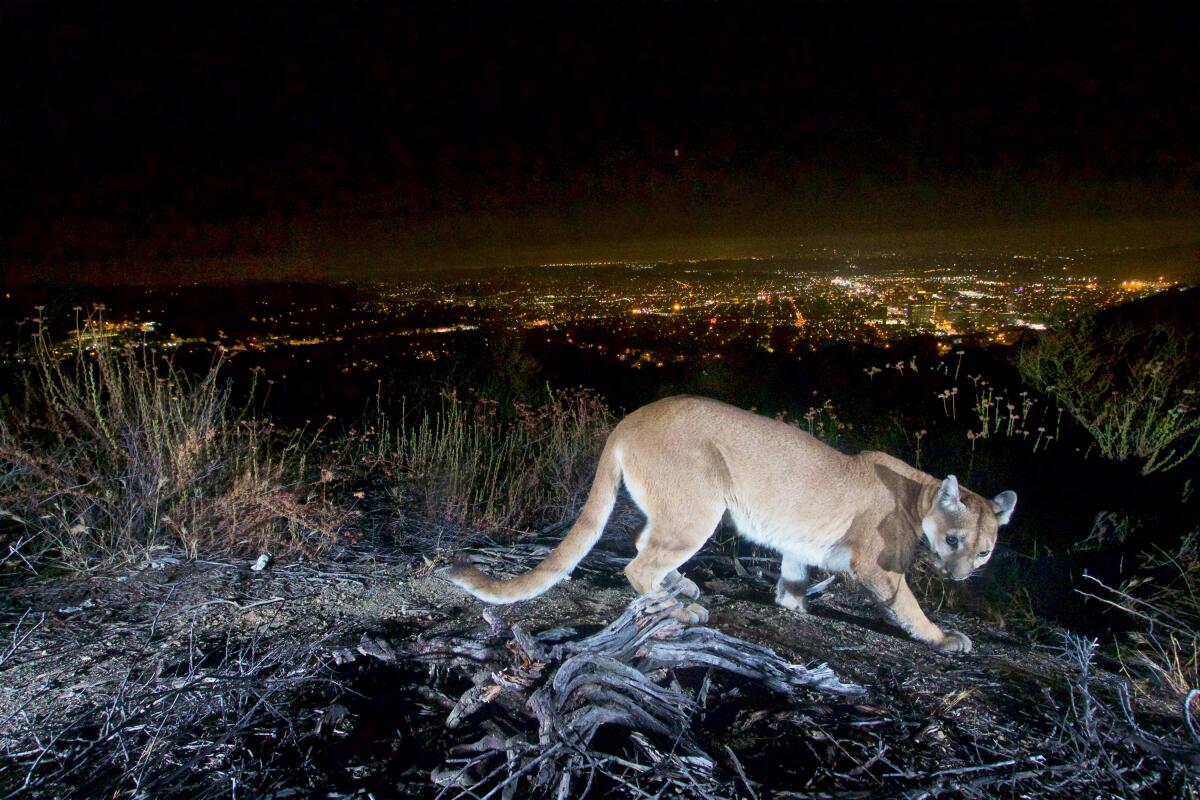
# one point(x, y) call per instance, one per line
point(123, 454)
point(1100, 736)
point(1165, 604)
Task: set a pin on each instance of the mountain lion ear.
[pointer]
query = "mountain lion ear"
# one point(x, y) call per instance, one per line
point(948, 497)
point(1003, 504)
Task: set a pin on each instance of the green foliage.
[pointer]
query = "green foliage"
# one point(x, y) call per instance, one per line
point(123, 454)
point(1132, 390)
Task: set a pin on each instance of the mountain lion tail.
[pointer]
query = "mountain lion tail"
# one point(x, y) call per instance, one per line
point(563, 559)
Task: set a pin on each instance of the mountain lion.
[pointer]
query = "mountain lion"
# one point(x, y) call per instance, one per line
point(686, 460)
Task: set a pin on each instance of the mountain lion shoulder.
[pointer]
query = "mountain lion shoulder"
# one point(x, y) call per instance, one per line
point(687, 460)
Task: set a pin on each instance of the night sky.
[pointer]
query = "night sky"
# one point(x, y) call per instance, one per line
point(359, 139)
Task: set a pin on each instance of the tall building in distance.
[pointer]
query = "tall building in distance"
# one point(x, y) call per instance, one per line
point(921, 314)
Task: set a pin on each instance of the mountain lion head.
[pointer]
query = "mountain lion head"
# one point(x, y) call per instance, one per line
point(961, 528)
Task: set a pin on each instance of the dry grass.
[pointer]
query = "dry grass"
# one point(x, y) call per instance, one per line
point(477, 465)
point(120, 454)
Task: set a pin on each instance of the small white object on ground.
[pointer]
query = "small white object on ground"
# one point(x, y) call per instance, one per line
point(263, 561)
point(86, 604)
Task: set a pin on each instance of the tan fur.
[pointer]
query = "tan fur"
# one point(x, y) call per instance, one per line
point(686, 460)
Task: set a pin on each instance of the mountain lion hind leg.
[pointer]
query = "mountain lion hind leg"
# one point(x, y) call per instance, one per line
point(673, 535)
point(673, 579)
point(793, 583)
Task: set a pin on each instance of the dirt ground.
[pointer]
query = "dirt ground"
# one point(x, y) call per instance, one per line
point(92, 666)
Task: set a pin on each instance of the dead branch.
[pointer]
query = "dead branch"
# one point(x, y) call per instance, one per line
point(569, 690)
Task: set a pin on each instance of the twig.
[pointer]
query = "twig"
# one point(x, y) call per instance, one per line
point(1194, 694)
point(1009, 762)
point(18, 638)
point(870, 762)
point(737, 765)
point(235, 604)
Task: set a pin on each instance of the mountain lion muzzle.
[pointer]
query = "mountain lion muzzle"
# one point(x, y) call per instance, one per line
point(687, 460)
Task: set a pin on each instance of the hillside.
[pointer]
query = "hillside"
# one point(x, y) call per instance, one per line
point(189, 677)
point(143, 656)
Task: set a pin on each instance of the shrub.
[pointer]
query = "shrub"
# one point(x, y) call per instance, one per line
point(123, 454)
point(1132, 390)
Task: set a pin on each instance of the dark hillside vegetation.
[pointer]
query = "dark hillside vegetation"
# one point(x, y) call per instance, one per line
point(142, 655)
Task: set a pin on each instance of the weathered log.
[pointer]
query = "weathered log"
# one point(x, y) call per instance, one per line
point(575, 687)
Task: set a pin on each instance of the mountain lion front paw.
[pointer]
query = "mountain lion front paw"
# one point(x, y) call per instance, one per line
point(954, 642)
point(692, 614)
point(793, 602)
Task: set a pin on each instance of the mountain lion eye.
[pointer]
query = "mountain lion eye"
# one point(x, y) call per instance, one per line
point(983, 553)
point(952, 541)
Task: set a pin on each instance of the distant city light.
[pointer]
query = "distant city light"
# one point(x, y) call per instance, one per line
point(651, 314)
